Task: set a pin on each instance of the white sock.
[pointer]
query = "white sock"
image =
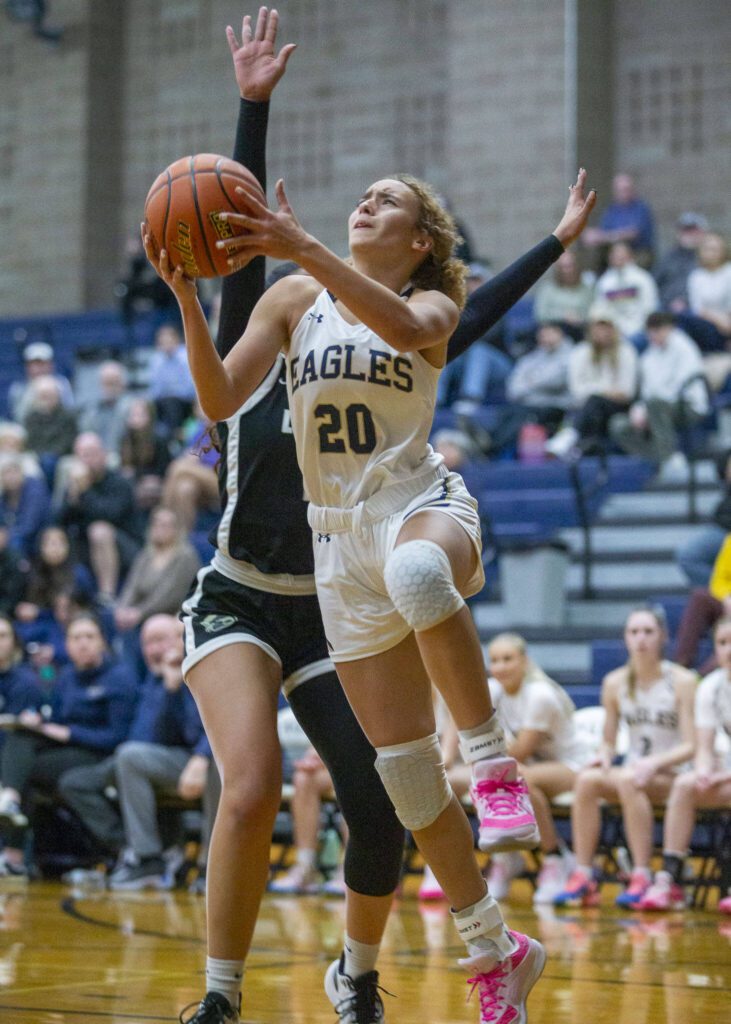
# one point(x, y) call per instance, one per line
point(585, 869)
point(359, 957)
point(483, 742)
point(226, 977)
point(493, 937)
point(306, 858)
point(642, 871)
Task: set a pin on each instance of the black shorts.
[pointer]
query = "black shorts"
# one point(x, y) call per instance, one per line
point(219, 611)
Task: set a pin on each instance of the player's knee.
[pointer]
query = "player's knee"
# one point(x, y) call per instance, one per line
point(415, 779)
point(418, 577)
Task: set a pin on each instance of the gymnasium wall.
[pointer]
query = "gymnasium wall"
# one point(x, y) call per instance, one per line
point(473, 94)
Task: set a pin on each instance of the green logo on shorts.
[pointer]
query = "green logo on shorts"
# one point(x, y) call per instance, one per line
point(215, 623)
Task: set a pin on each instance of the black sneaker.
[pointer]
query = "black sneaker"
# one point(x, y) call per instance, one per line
point(145, 873)
point(356, 1001)
point(213, 1009)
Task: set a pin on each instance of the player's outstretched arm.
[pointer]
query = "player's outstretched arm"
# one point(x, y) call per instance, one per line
point(257, 68)
point(493, 299)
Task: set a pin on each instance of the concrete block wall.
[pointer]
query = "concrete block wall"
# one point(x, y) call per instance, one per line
point(473, 95)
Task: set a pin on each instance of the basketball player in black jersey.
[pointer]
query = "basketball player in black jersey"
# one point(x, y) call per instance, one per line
point(252, 622)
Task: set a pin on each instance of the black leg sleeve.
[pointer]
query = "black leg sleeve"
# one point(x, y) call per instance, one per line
point(374, 853)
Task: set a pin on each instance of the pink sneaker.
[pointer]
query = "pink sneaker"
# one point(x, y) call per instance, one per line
point(638, 885)
point(430, 890)
point(663, 894)
point(504, 989)
point(581, 891)
point(724, 905)
point(503, 806)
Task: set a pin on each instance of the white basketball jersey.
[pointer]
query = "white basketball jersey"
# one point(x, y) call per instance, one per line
point(713, 709)
point(361, 410)
point(652, 717)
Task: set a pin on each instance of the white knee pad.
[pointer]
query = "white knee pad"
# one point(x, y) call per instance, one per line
point(418, 577)
point(415, 779)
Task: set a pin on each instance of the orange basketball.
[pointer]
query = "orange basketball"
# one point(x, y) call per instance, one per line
point(182, 207)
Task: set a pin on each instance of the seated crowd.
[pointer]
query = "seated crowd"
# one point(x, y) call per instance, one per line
point(104, 507)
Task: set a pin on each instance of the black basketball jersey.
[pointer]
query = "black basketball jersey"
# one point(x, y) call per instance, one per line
point(264, 513)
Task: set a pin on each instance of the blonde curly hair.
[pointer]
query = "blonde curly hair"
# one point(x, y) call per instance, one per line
point(440, 270)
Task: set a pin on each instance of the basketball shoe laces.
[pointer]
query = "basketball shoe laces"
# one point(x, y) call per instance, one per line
point(505, 799)
point(489, 990)
point(365, 1005)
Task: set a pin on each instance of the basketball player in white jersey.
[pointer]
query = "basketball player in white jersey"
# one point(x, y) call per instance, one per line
point(708, 786)
point(397, 544)
point(654, 698)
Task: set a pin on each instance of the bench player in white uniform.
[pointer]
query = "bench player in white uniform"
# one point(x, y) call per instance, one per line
point(406, 513)
point(654, 698)
point(708, 786)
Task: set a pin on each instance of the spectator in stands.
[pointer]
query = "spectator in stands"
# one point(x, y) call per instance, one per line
point(99, 511)
point(566, 297)
point(626, 219)
point(38, 362)
point(53, 573)
point(19, 689)
point(708, 786)
point(14, 441)
point(697, 555)
point(654, 698)
point(165, 753)
point(13, 569)
point(144, 452)
point(50, 426)
point(171, 385)
point(672, 272)
point(708, 320)
point(704, 608)
point(106, 415)
point(24, 504)
point(140, 290)
point(602, 381)
point(312, 784)
point(629, 290)
point(538, 717)
point(537, 388)
point(480, 372)
point(92, 705)
point(673, 393)
point(161, 573)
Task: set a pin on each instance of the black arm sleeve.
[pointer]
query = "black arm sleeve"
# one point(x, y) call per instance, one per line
point(241, 291)
point(494, 298)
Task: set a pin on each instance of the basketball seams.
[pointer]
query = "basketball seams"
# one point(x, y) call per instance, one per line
point(201, 223)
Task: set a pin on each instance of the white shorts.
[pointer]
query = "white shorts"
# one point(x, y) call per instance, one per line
point(351, 548)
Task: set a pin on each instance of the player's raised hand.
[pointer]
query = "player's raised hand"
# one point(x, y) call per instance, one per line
point(257, 66)
point(577, 211)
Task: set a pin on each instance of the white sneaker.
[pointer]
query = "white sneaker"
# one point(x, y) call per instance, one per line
point(430, 889)
point(552, 878)
point(504, 867)
point(299, 880)
point(356, 1000)
point(563, 442)
point(504, 988)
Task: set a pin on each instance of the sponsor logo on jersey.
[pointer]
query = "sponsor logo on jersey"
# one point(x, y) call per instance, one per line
point(215, 623)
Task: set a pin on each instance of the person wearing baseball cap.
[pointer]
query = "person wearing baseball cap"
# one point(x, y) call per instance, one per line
point(37, 362)
point(671, 273)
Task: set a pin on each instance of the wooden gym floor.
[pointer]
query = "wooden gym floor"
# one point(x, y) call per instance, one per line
point(104, 958)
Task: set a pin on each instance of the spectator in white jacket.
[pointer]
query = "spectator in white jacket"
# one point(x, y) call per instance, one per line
point(602, 382)
point(673, 392)
point(628, 289)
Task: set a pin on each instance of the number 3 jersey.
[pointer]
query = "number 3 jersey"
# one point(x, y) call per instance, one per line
point(651, 715)
point(361, 410)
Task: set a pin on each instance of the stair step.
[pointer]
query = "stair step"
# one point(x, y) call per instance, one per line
point(658, 507)
point(641, 538)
